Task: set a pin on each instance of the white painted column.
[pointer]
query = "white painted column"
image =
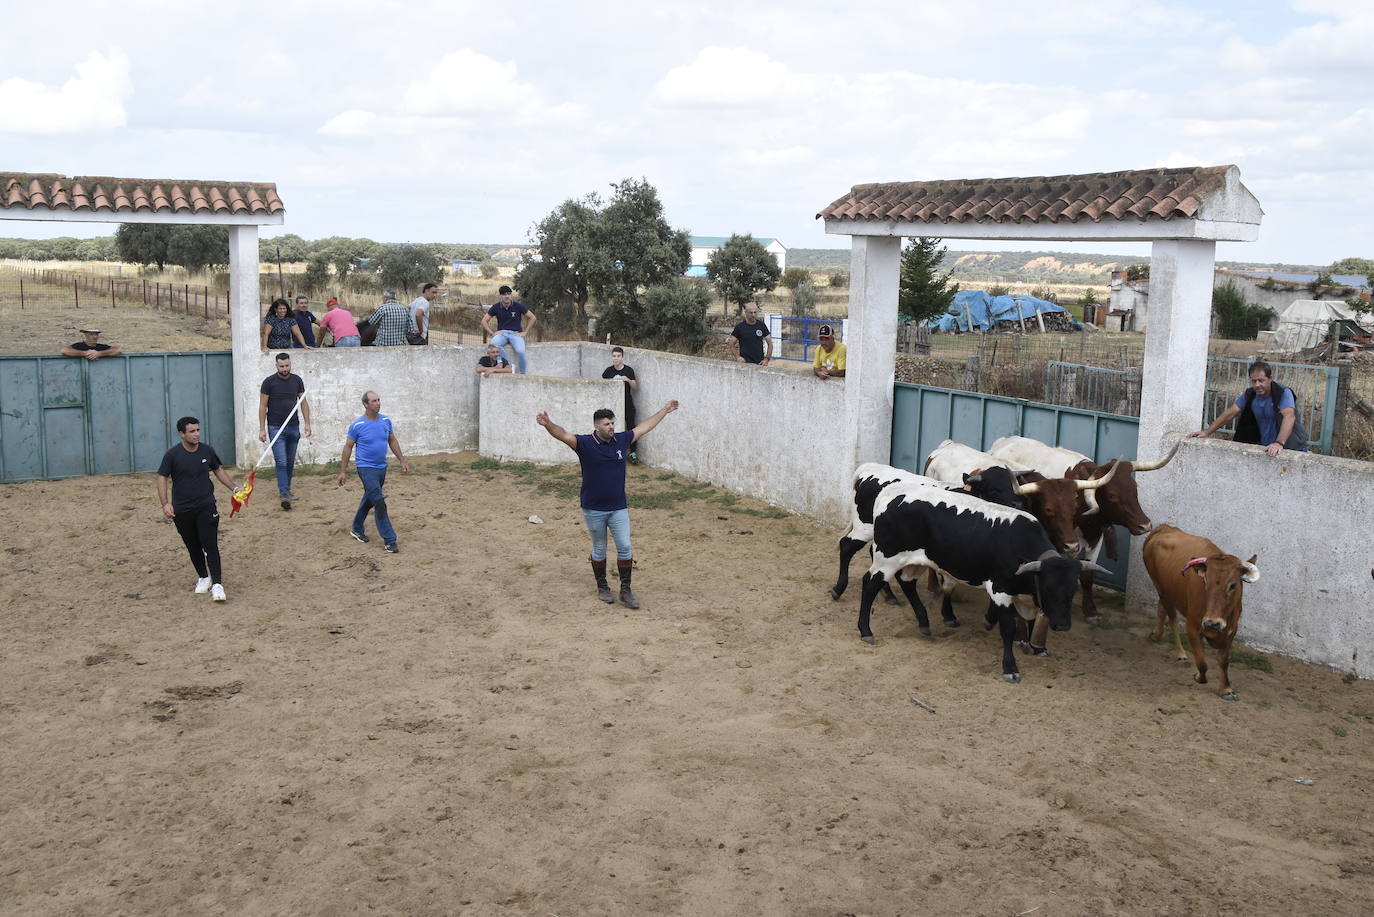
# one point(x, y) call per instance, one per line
point(1175, 341)
point(871, 337)
point(245, 335)
point(1173, 384)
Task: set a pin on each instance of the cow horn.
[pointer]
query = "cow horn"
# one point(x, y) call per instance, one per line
point(1089, 566)
point(1155, 466)
point(1025, 490)
point(975, 478)
point(1090, 498)
point(1033, 566)
point(1094, 483)
point(1251, 574)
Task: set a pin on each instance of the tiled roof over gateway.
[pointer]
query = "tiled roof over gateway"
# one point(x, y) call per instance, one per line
point(45, 192)
point(1146, 194)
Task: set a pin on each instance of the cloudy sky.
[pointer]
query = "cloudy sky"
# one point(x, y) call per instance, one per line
point(467, 122)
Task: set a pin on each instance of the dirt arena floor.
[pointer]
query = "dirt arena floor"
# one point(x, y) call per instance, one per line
point(463, 728)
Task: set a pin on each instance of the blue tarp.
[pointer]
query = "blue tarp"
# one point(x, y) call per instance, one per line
point(975, 310)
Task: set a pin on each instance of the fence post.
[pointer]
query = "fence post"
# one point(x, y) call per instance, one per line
point(76, 291)
point(205, 301)
point(112, 298)
point(21, 292)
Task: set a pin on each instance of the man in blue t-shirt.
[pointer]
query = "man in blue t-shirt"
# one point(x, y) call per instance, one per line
point(1268, 414)
point(602, 454)
point(372, 434)
point(511, 325)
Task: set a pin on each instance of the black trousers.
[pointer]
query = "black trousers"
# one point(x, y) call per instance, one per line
point(199, 528)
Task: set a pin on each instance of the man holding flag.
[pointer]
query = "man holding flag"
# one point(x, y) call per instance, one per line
point(280, 422)
point(188, 467)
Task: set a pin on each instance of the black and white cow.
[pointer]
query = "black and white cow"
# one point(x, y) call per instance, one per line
point(872, 478)
point(1001, 550)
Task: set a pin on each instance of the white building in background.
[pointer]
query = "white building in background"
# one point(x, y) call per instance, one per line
point(703, 247)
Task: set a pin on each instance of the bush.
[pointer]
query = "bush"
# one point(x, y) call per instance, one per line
point(998, 289)
point(670, 316)
point(1089, 298)
point(804, 298)
point(1237, 319)
point(794, 276)
point(488, 270)
point(1138, 272)
point(839, 279)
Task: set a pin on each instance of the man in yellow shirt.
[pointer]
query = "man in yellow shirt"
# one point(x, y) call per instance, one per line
point(830, 356)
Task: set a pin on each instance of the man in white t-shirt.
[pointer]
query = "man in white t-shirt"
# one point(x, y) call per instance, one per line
point(419, 310)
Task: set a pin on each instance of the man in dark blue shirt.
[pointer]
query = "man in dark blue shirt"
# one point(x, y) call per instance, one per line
point(280, 423)
point(602, 454)
point(188, 466)
point(508, 322)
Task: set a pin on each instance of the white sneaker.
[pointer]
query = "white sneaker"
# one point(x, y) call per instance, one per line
point(217, 593)
point(202, 585)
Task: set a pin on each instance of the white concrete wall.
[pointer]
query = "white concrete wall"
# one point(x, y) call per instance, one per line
point(1307, 518)
point(509, 403)
point(430, 394)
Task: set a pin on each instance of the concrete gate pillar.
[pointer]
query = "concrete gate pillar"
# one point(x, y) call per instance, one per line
point(874, 263)
point(245, 336)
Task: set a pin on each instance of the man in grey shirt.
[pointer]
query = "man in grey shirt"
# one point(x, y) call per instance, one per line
point(419, 311)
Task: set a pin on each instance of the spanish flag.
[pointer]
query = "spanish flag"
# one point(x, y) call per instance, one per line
point(240, 496)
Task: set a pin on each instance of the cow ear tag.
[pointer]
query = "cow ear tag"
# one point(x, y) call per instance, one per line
point(1195, 562)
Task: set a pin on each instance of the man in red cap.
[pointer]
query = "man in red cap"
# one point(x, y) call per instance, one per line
point(339, 322)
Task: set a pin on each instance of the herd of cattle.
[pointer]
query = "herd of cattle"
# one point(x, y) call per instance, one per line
point(1026, 522)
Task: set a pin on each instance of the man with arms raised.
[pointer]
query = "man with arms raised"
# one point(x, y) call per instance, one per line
point(602, 454)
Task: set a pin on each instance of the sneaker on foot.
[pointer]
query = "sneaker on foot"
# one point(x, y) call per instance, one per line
point(217, 593)
point(285, 502)
point(359, 536)
point(392, 548)
point(202, 585)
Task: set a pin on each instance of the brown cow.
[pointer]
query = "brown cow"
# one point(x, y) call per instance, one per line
point(1205, 585)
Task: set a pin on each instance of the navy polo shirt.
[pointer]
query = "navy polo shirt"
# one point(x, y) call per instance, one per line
point(603, 470)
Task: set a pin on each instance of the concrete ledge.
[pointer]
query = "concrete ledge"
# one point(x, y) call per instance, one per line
point(1308, 517)
point(509, 403)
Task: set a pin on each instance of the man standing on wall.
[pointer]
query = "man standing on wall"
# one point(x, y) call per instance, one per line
point(188, 466)
point(750, 341)
point(1268, 414)
point(618, 370)
point(276, 399)
point(830, 357)
point(510, 325)
point(392, 320)
point(372, 434)
point(602, 454)
point(419, 313)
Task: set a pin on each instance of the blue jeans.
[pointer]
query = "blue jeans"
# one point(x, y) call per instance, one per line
point(284, 454)
point(618, 522)
point(517, 344)
point(374, 499)
point(349, 340)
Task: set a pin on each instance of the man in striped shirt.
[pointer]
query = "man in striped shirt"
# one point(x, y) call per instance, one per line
point(392, 321)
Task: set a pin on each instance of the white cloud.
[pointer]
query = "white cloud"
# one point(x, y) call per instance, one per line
point(92, 100)
point(726, 77)
point(787, 156)
point(468, 83)
point(351, 123)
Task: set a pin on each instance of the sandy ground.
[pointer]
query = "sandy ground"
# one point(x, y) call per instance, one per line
point(464, 728)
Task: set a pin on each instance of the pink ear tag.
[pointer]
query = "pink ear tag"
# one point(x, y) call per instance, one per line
point(1195, 562)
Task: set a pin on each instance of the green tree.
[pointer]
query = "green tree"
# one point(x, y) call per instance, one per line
point(923, 292)
point(344, 254)
point(1237, 319)
point(143, 243)
point(1360, 266)
point(804, 297)
point(609, 252)
point(839, 279)
point(794, 276)
point(666, 316)
point(291, 247)
point(316, 276)
point(470, 253)
point(740, 268)
point(197, 247)
point(406, 267)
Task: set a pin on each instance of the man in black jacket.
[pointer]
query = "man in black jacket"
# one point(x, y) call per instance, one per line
point(1268, 414)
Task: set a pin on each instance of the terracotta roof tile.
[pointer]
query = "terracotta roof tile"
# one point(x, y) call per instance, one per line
point(33, 191)
point(1145, 194)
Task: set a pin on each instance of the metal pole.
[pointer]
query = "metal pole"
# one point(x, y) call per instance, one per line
point(21, 292)
point(112, 299)
point(205, 301)
point(186, 297)
point(76, 291)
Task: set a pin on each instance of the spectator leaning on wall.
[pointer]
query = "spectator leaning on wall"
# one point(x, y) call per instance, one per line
point(830, 356)
point(90, 347)
point(1268, 414)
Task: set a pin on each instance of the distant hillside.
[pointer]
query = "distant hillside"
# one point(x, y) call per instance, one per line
point(1023, 267)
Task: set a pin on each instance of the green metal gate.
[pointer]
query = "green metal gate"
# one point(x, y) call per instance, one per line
point(64, 416)
point(923, 416)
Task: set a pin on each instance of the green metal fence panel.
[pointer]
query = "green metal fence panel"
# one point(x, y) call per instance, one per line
point(62, 417)
point(923, 416)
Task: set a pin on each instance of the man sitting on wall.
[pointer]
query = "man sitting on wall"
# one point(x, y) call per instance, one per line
point(89, 347)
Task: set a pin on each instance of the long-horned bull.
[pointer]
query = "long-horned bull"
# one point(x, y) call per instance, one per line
point(1206, 586)
point(1118, 502)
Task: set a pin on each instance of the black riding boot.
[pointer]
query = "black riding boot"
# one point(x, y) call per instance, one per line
point(603, 588)
point(626, 569)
